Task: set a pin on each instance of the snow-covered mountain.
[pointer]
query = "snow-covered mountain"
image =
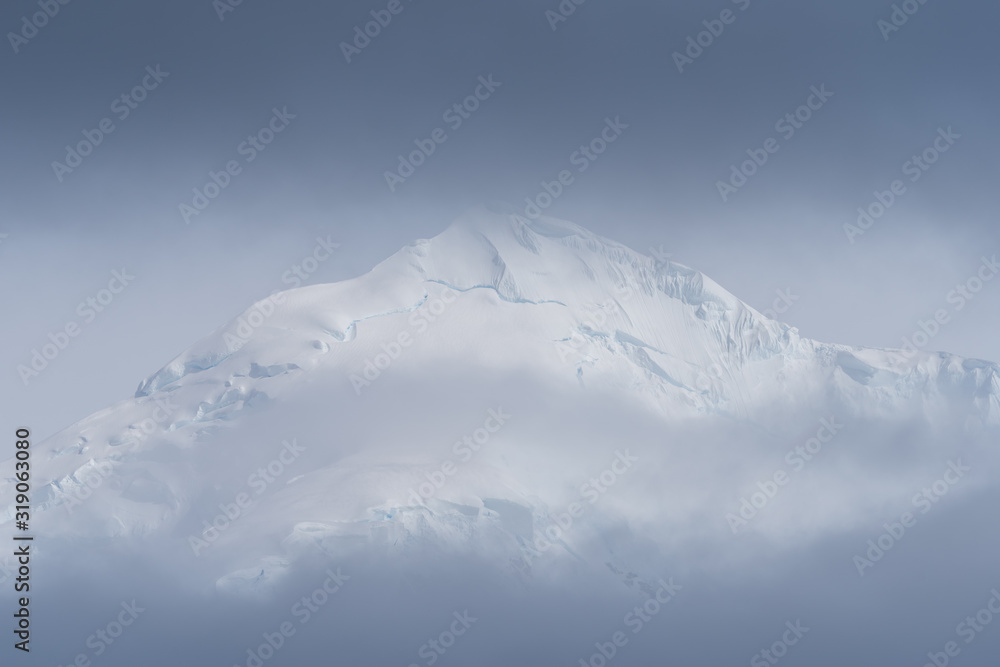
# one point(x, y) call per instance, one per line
point(473, 391)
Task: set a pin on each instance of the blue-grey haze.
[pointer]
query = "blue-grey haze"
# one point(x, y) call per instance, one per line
point(654, 188)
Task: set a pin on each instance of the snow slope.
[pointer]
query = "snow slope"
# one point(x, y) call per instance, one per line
point(547, 306)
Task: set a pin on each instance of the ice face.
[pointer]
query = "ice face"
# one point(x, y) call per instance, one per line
point(543, 304)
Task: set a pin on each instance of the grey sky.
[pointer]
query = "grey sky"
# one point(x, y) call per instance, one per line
point(655, 188)
point(324, 174)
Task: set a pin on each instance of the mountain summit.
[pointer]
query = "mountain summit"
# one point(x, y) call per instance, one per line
point(570, 304)
point(457, 395)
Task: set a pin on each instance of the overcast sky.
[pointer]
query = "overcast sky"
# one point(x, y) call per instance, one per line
point(166, 164)
point(218, 77)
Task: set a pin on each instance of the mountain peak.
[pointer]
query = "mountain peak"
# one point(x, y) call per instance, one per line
point(567, 303)
point(545, 305)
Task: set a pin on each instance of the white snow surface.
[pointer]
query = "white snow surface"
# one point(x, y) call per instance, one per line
point(493, 295)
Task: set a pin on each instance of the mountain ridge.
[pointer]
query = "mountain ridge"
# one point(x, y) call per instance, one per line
point(493, 294)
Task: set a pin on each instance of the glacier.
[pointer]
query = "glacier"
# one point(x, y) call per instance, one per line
point(567, 323)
